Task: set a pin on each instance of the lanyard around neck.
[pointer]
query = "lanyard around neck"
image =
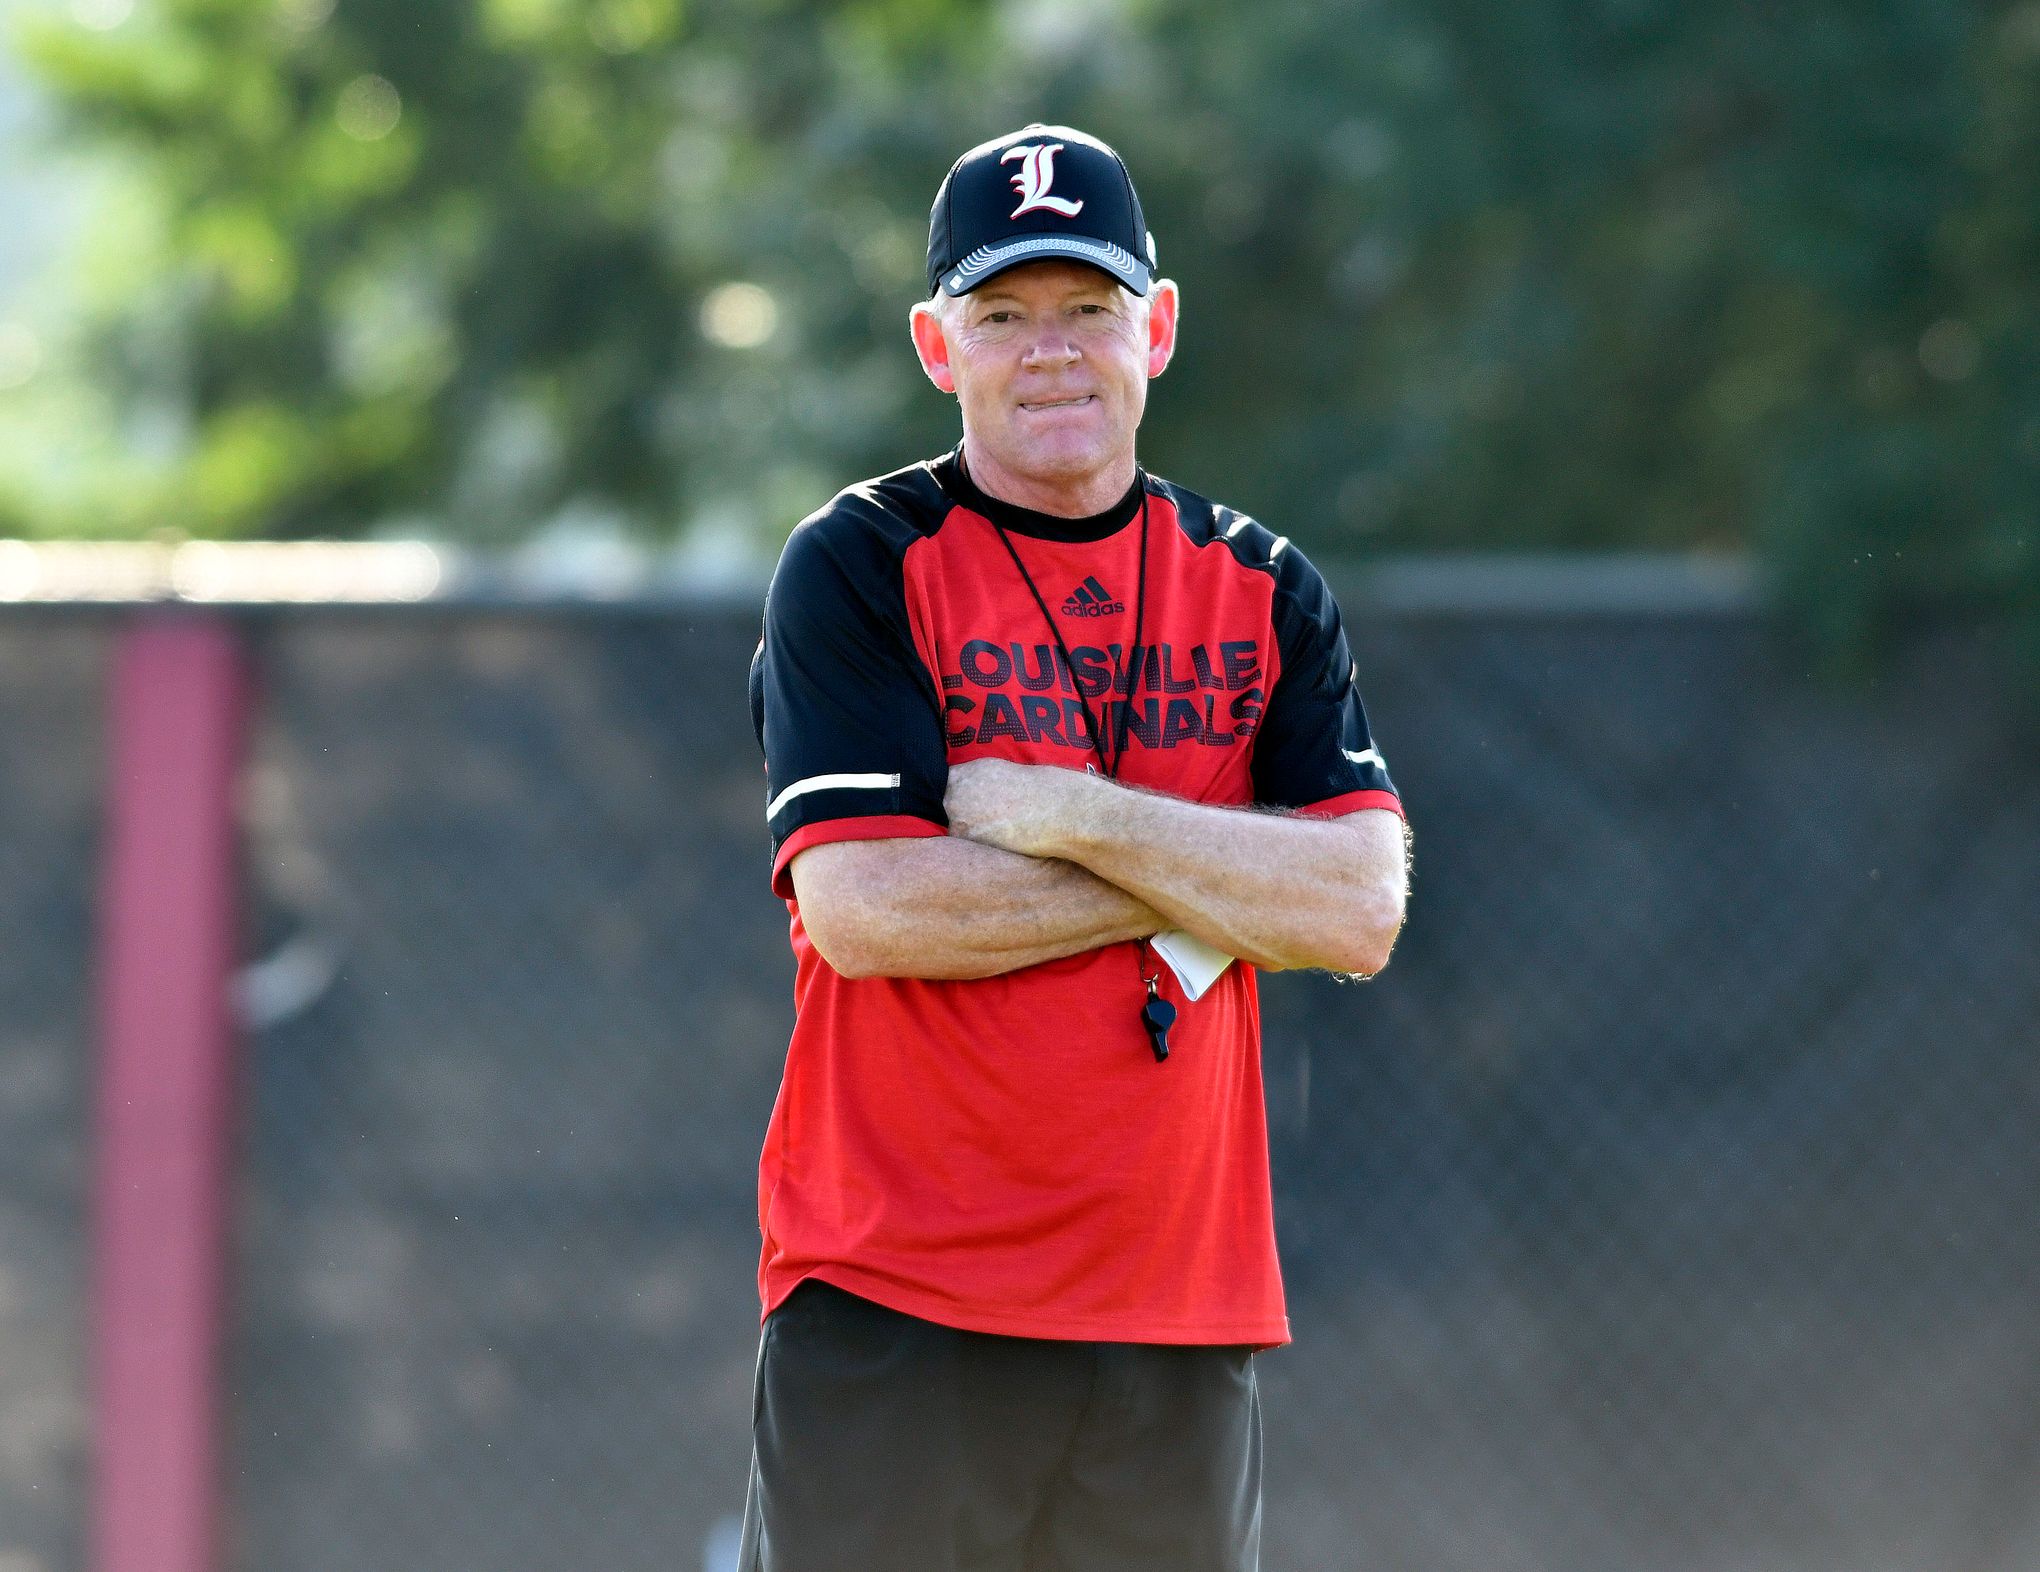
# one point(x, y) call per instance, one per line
point(1157, 1014)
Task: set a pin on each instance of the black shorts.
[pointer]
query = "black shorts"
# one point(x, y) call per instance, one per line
point(885, 1443)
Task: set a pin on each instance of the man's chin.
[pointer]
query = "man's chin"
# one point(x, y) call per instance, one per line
point(1061, 461)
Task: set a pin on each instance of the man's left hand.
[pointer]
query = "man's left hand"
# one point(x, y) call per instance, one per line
point(1019, 807)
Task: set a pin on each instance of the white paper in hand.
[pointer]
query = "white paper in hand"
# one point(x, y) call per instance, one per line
point(1196, 964)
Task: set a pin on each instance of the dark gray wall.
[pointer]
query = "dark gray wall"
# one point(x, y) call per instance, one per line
point(51, 675)
point(1667, 1205)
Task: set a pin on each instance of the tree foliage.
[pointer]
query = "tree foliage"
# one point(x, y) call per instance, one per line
point(1555, 273)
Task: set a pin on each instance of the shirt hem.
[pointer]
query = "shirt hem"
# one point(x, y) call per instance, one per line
point(1260, 1334)
point(1353, 802)
point(869, 827)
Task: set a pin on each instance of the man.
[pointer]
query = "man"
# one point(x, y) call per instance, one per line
point(1025, 710)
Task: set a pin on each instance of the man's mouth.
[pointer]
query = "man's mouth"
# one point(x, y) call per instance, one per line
point(1059, 403)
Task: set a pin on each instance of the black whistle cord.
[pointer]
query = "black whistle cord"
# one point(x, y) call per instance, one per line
point(1157, 1015)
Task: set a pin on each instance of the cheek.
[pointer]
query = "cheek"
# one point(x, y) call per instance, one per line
point(984, 367)
point(976, 389)
point(1129, 371)
point(1129, 361)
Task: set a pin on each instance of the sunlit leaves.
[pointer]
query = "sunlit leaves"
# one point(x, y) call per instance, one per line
point(1540, 275)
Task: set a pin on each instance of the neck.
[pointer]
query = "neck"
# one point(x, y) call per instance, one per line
point(1072, 497)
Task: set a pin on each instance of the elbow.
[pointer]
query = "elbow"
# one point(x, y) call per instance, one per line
point(1368, 938)
point(862, 937)
point(843, 933)
point(846, 907)
point(1358, 955)
point(843, 944)
point(1366, 959)
point(1357, 951)
point(847, 962)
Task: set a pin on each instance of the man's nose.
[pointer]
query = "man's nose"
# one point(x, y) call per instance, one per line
point(1049, 348)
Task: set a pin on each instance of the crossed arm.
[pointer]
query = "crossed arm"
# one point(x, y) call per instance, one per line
point(1043, 862)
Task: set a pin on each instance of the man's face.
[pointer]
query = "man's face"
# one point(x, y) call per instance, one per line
point(1050, 363)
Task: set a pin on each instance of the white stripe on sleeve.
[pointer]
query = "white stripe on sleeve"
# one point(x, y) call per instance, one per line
point(872, 782)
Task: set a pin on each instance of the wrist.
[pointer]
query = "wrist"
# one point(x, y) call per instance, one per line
point(1071, 827)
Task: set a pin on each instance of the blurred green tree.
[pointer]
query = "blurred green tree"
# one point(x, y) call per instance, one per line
point(479, 264)
point(1551, 274)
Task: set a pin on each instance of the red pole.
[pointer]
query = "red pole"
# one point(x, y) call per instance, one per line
point(166, 1074)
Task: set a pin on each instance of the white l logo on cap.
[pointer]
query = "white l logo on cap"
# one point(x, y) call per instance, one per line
point(1037, 174)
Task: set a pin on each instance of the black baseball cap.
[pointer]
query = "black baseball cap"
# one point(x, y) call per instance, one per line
point(1042, 191)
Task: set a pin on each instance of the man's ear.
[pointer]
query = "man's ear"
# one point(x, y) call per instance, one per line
point(932, 345)
point(1163, 306)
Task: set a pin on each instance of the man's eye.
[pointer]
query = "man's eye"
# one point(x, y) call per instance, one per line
point(998, 316)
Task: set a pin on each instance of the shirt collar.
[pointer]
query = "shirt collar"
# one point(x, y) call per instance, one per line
point(951, 474)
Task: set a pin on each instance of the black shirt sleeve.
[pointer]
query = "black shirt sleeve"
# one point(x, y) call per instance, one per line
point(842, 704)
point(1313, 749)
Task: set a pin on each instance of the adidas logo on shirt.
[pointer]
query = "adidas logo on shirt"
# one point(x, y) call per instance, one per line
point(1091, 599)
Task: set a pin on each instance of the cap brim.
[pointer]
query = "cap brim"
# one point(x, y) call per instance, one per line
point(988, 262)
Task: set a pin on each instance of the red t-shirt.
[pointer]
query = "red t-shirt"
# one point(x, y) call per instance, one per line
point(1006, 1154)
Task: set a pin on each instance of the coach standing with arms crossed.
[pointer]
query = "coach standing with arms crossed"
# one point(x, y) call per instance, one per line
point(1046, 739)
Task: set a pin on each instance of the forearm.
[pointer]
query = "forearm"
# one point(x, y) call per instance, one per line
point(947, 907)
point(1274, 889)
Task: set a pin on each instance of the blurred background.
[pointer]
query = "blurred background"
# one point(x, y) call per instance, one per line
point(1658, 385)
